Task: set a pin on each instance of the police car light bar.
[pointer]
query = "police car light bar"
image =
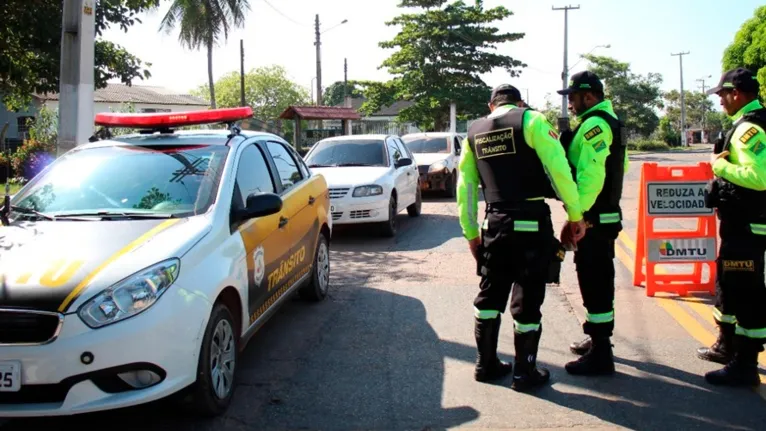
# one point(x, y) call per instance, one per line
point(172, 119)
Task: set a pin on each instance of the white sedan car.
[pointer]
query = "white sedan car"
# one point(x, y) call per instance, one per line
point(371, 179)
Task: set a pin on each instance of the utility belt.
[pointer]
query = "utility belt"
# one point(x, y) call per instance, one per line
point(607, 218)
point(511, 240)
point(734, 202)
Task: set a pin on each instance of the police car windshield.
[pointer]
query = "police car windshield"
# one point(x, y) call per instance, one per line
point(426, 144)
point(356, 152)
point(174, 179)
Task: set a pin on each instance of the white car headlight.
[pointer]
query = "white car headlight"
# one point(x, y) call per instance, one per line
point(364, 191)
point(130, 296)
point(438, 166)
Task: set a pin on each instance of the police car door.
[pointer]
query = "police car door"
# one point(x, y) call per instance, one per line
point(400, 174)
point(265, 241)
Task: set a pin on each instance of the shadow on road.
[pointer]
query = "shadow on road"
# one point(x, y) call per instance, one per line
point(366, 359)
point(425, 232)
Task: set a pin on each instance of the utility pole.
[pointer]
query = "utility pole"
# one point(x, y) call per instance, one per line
point(345, 80)
point(683, 102)
point(317, 43)
point(704, 109)
point(76, 74)
point(564, 120)
point(242, 72)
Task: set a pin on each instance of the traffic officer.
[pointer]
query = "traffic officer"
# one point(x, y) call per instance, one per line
point(516, 156)
point(596, 150)
point(738, 191)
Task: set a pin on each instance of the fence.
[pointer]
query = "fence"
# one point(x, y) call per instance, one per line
point(387, 127)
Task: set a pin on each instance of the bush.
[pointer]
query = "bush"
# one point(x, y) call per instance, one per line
point(32, 157)
point(643, 144)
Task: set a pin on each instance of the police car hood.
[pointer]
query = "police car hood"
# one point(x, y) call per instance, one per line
point(427, 159)
point(57, 265)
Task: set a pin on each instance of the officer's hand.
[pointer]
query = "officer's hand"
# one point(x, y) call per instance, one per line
point(577, 230)
point(714, 157)
point(566, 238)
point(474, 245)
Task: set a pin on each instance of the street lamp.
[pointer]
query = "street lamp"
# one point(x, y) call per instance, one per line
point(589, 52)
point(317, 43)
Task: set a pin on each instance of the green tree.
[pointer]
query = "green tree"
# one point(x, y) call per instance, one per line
point(697, 104)
point(635, 97)
point(749, 48)
point(268, 90)
point(442, 51)
point(333, 95)
point(202, 23)
point(30, 47)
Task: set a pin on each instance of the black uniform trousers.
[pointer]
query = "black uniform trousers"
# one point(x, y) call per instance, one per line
point(517, 250)
point(740, 287)
point(594, 262)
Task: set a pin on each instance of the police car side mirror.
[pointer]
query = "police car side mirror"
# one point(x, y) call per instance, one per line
point(404, 161)
point(261, 205)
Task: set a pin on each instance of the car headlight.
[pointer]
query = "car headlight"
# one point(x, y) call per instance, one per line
point(438, 166)
point(130, 296)
point(363, 191)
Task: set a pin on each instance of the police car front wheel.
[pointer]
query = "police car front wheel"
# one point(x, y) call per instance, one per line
point(217, 364)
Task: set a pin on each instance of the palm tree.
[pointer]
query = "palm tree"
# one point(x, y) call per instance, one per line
point(201, 23)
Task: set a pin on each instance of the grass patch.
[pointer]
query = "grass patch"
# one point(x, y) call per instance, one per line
point(14, 188)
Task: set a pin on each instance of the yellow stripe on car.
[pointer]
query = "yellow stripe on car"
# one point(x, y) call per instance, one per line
point(135, 243)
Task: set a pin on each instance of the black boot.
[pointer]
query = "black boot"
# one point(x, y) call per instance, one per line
point(581, 347)
point(742, 370)
point(597, 361)
point(526, 374)
point(722, 351)
point(488, 365)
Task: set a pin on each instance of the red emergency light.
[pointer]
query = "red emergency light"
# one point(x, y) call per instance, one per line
point(172, 119)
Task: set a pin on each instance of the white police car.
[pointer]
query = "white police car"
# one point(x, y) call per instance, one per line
point(137, 266)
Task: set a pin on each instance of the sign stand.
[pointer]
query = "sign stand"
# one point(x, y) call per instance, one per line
point(669, 192)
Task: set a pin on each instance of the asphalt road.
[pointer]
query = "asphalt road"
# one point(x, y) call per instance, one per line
point(392, 348)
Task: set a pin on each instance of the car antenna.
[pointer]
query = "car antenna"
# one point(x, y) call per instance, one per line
point(6, 209)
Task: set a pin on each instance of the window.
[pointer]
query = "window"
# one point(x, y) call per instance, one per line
point(402, 148)
point(253, 176)
point(286, 165)
point(179, 177)
point(457, 145)
point(22, 125)
point(427, 144)
point(347, 152)
point(393, 150)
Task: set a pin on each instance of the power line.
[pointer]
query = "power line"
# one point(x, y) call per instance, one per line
point(285, 16)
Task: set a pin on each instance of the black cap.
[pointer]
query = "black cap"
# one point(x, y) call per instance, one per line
point(739, 78)
point(583, 81)
point(505, 89)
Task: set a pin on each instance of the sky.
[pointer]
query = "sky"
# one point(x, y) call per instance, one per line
point(643, 33)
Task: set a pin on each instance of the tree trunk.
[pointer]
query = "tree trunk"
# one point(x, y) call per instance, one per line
point(211, 84)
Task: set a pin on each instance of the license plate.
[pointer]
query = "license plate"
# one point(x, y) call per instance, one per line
point(332, 208)
point(10, 376)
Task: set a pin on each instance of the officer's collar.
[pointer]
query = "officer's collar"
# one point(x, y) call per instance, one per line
point(501, 110)
point(750, 107)
point(604, 105)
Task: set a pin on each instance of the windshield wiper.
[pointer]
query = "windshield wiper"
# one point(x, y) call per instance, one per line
point(354, 164)
point(321, 166)
point(24, 210)
point(119, 214)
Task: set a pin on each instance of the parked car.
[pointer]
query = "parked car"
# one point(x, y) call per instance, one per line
point(437, 156)
point(371, 179)
point(139, 266)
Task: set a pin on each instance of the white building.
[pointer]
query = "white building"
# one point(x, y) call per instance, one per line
point(115, 97)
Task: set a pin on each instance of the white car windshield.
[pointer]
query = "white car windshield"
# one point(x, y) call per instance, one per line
point(173, 179)
point(420, 145)
point(347, 152)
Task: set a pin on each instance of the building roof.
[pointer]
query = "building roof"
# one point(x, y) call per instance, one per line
point(320, 113)
point(144, 94)
point(387, 111)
